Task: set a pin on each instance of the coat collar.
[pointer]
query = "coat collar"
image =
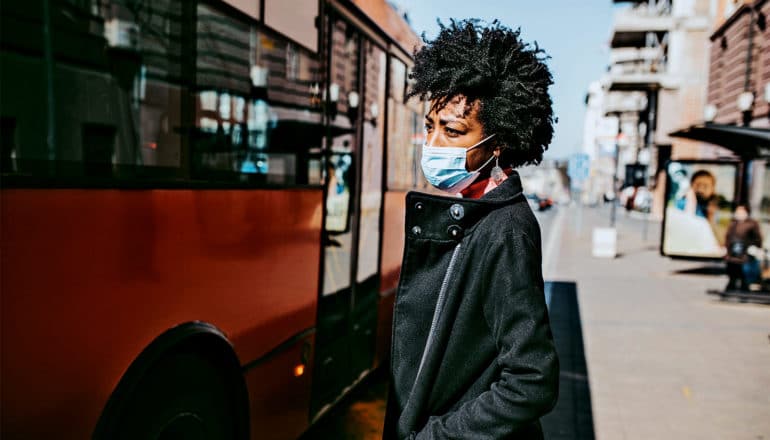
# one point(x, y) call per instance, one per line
point(448, 218)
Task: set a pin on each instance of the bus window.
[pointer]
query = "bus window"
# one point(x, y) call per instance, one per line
point(339, 172)
point(402, 155)
point(176, 92)
point(343, 148)
point(371, 170)
point(7, 144)
point(256, 118)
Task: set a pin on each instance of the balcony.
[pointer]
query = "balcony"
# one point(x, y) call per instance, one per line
point(631, 25)
point(625, 102)
point(638, 69)
point(629, 77)
point(653, 56)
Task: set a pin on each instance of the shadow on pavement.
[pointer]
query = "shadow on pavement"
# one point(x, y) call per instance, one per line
point(572, 418)
point(711, 269)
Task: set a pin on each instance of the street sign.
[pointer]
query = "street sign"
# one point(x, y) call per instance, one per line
point(578, 168)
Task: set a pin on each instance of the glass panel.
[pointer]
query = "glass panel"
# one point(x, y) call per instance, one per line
point(371, 177)
point(114, 79)
point(158, 82)
point(397, 79)
point(405, 134)
point(244, 132)
point(340, 163)
point(164, 89)
point(759, 196)
point(338, 238)
point(699, 205)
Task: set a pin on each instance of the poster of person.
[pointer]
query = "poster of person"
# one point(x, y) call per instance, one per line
point(698, 210)
point(338, 199)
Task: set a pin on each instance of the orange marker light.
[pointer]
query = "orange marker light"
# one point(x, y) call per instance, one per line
point(299, 370)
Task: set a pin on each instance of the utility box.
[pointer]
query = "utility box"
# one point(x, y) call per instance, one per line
point(605, 242)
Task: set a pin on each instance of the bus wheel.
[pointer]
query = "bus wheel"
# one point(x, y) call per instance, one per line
point(185, 395)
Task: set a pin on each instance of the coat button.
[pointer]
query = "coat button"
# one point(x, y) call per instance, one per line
point(455, 232)
point(456, 211)
point(417, 231)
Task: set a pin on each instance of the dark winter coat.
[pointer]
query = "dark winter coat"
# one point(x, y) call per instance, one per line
point(739, 237)
point(472, 355)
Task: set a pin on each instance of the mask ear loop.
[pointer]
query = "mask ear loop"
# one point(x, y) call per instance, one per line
point(480, 142)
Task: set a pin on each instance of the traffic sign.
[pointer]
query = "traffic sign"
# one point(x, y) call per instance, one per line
point(579, 167)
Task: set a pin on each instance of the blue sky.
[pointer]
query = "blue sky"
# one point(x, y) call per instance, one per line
point(575, 33)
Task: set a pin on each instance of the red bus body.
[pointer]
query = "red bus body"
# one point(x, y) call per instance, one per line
point(98, 274)
point(96, 268)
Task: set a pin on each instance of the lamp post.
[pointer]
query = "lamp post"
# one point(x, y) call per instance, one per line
point(334, 97)
point(767, 97)
point(374, 111)
point(710, 113)
point(613, 208)
point(745, 105)
point(353, 101)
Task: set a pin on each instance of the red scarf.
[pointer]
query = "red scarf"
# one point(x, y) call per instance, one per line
point(481, 187)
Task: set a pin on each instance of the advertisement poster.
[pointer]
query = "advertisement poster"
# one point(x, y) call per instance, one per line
point(699, 203)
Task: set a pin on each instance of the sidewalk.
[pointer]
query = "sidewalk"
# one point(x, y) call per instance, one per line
point(664, 360)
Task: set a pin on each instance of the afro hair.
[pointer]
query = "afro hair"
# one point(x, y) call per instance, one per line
point(508, 77)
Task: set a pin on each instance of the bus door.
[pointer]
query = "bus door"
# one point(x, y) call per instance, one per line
point(347, 307)
point(367, 274)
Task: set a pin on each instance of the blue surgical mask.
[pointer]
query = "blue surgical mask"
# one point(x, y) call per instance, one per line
point(444, 167)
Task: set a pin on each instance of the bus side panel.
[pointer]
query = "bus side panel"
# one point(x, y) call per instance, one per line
point(390, 268)
point(279, 395)
point(90, 277)
point(392, 239)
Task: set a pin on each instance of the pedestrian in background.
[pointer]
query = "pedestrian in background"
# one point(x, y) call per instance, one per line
point(743, 239)
point(472, 355)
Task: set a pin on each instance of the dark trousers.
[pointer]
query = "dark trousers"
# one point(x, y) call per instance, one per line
point(737, 279)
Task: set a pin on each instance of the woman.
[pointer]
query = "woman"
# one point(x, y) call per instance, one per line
point(743, 234)
point(472, 354)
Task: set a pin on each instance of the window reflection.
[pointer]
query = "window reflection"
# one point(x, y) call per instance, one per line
point(405, 133)
point(162, 89)
point(252, 126)
point(371, 170)
point(338, 198)
point(343, 150)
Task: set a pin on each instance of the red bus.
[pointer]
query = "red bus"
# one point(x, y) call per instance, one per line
point(201, 212)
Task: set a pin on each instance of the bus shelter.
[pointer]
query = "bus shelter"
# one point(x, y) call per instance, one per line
point(702, 194)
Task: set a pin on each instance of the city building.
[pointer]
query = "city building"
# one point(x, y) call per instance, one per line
point(739, 71)
point(599, 137)
point(736, 116)
point(655, 83)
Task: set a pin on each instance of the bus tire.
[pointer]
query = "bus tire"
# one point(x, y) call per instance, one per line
point(186, 394)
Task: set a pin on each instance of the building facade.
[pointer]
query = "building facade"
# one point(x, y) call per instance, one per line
point(740, 65)
point(656, 82)
point(736, 116)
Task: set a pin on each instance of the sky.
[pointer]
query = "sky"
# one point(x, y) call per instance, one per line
point(575, 33)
